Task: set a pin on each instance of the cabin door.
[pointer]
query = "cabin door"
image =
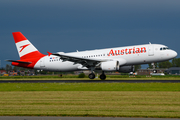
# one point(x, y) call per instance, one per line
point(151, 50)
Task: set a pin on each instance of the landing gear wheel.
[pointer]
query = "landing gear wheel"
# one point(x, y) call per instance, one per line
point(102, 76)
point(92, 76)
point(154, 71)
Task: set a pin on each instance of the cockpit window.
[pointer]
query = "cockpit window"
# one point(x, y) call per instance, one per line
point(164, 48)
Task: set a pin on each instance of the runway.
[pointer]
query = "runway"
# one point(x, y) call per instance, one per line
point(89, 81)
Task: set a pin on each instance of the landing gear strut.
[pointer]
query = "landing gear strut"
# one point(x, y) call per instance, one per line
point(102, 76)
point(92, 75)
point(154, 68)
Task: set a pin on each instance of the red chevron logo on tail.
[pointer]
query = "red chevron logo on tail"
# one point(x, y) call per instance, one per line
point(24, 46)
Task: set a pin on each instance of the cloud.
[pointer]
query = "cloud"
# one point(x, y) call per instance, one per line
point(91, 14)
point(88, 24)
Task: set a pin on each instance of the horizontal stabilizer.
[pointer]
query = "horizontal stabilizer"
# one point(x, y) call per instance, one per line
point(18, 61)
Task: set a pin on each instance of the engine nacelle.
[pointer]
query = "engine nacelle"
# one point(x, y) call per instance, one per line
point(110, 66)
point(126, 69)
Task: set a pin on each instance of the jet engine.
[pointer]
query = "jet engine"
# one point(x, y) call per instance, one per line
point(110, 66)
point(126, 69)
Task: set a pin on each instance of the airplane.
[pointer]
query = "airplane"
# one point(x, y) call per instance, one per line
point(120, 59)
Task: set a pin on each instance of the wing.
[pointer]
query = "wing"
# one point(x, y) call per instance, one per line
point(85, 62)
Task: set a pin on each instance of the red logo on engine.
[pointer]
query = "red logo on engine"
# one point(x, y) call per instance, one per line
point(23, 47)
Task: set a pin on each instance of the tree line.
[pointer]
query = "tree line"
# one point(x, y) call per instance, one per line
point(166, 64)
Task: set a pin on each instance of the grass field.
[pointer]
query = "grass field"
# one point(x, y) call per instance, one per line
point(90, 87)
point(75, 77)
point(90, 99)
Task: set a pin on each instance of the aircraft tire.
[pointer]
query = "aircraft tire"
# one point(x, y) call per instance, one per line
point(92, 76)
point(102, 76)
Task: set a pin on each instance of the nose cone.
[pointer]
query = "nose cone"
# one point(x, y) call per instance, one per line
point(173, 54)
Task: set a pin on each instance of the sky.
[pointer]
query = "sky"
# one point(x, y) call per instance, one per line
point(70, 25)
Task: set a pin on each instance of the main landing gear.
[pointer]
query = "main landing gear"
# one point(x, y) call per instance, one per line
point(102, 76)
point(92, 75)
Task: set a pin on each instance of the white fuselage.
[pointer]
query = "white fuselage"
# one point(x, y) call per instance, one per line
point(129, 55)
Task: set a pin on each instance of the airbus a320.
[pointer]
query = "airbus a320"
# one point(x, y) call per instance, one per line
point(121, 59)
